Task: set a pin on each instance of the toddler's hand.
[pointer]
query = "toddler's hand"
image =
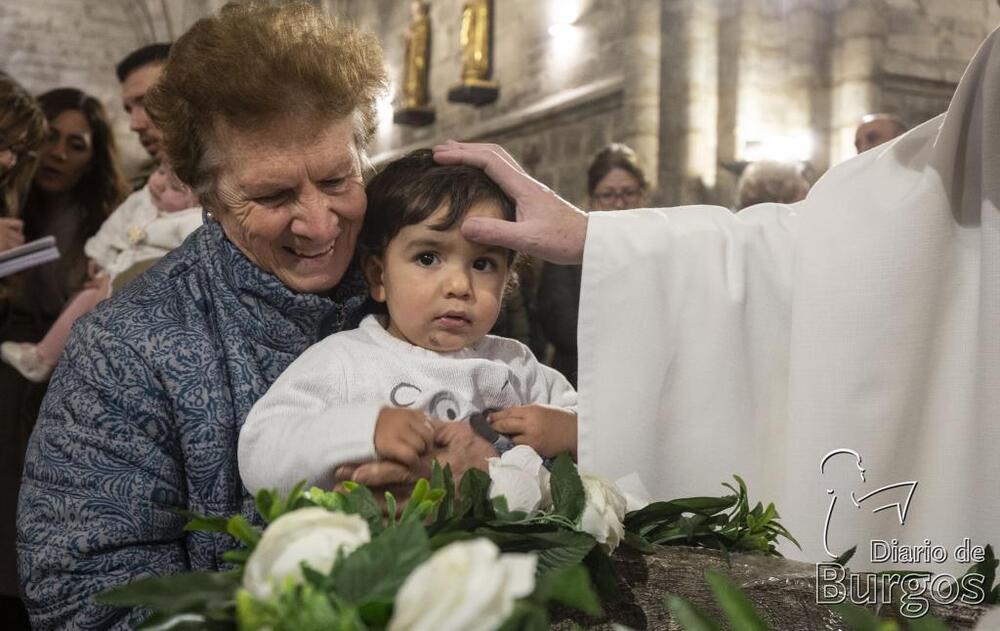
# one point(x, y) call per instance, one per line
point(403, 435)
point(546, 429)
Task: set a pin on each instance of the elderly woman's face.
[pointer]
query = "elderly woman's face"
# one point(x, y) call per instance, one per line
point(293, 199)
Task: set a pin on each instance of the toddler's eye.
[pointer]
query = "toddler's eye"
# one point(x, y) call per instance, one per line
point(426, 259)
point(484, 265)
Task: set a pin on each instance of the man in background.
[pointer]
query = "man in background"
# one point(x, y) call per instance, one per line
point(137, 73)
point(876, 129)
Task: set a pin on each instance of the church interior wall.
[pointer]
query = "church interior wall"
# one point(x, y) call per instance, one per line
point(697, 86)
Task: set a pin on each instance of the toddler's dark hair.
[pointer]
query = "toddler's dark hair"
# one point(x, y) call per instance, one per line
point(408, 191)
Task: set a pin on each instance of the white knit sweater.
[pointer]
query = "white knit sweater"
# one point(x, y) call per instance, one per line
point(321, 412)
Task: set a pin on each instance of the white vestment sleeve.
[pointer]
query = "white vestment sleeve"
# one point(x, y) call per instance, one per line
point(683, 338)
point(842, 354)
point(303, 428)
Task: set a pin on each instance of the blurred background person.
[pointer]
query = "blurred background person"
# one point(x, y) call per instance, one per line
point(876, 129)
point(137, 73)
point(22, 130)
point(75, 187)
point(615, 181)
point(771, 181)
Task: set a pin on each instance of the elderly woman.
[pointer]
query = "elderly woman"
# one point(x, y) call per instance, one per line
point(266, 112)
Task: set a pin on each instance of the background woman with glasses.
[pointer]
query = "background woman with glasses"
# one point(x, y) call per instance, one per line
point(615, 181)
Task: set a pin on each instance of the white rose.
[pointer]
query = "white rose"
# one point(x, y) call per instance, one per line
point(464, 586)
point(604, 514)
point(520, 476)
point(314, 535)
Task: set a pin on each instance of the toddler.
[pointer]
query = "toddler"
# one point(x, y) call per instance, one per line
point(150, 223)
point(371, 393)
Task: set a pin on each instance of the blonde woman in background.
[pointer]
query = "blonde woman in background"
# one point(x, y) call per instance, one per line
point(22, 130)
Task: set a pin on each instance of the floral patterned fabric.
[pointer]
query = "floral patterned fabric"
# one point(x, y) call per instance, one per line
point(142, 418)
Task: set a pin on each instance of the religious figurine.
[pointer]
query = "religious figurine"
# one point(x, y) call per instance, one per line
point(415, 108)
point(476, 86)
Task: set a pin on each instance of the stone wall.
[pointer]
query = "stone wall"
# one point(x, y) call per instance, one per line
point(47, 44)
point(696, 86)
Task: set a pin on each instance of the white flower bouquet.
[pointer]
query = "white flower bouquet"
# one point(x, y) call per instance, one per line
point(497, 552)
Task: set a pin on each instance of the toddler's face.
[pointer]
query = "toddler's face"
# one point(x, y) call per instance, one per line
point(443, 291)
point(170, 194)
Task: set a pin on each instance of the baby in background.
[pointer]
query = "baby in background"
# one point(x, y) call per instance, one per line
point(148, 225)
point(384, 390)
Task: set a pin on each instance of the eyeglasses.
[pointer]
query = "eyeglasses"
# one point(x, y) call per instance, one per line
point(625, 195)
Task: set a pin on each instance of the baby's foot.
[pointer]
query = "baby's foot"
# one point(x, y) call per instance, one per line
point(27, 360)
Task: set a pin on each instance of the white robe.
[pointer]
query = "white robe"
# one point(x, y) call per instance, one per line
point(865, 317)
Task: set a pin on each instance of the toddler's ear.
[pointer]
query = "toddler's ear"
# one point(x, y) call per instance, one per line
point(373, 267)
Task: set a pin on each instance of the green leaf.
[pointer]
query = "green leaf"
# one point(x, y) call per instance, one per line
point(239, 527)
point(360, 501)
point(184, 621)
point(568, 496)
point(330, 500)
point(987, 568)
point(527, 616)
point(374, 572)
point(238, 556)
point(689, 617)
point(420, 490)
point(603, 574)
point(390, 508)
point(175, 592)
point(638, 543)
point(202, 523)
point(570, 586)
point(442, 479)
point(857, 618)
point(376, 613)
point(926, 623)
point(845, 556)
point(737, 607)
point(474, 494)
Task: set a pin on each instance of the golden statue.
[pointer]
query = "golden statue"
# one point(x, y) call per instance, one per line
point(418, 45)
point(415, 107)
point(475, 40)
point(477, 55)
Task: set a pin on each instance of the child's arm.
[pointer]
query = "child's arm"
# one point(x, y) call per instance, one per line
point(306, 425)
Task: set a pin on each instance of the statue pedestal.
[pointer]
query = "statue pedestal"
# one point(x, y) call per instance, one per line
point(414, 116)
point(474, 92)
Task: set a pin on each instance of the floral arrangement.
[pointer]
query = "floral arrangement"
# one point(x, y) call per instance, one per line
point(497, 552)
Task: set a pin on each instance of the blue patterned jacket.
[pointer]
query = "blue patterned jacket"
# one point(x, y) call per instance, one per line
point(142, 416)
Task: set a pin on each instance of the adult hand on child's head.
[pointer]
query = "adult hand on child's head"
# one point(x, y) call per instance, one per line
point(547, 226)
point(11, 233)
point(546, 429)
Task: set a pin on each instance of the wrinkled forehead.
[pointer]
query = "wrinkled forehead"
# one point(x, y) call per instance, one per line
point(276, 148)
